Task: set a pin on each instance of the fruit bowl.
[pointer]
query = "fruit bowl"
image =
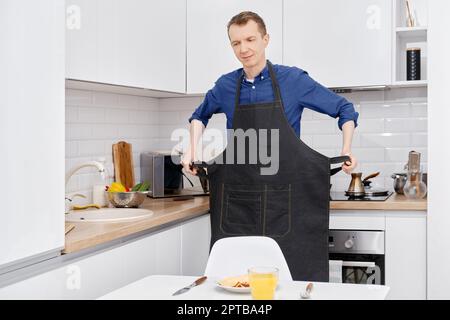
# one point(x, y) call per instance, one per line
point(131, 199)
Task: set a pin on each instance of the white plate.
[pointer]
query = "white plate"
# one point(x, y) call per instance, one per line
point(227, 284)
point(235, 289)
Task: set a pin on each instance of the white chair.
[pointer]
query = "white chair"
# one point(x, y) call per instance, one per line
point(233, 256)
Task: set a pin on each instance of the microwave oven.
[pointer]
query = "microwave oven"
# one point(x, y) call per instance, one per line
point(164, 172)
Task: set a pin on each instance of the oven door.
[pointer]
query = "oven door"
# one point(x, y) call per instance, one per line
point(358, 268)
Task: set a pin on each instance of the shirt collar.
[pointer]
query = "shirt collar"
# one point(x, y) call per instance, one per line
point(264, 74)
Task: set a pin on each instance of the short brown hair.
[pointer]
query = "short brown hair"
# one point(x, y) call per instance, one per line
point(242, 19)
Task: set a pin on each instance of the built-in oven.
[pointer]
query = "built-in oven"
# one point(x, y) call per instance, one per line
point(357, 256)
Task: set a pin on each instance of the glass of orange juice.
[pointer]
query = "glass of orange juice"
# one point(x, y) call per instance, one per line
point(263, 281)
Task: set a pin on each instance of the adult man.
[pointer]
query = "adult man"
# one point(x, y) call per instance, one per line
point(290, 206)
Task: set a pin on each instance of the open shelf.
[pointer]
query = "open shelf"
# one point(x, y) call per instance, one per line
point(409, 37)
point(412, 32)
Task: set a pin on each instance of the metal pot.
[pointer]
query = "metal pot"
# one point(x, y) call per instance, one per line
point(399, 181)
point(401, 178)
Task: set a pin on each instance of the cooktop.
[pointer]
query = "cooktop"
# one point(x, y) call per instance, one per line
point(340, 196)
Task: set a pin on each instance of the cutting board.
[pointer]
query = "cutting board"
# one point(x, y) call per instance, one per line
point(123, 163)
point(68, 227)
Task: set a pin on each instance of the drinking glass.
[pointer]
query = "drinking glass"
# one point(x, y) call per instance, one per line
point(263, 281)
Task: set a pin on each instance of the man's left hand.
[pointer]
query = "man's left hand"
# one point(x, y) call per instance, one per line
point(349, 166)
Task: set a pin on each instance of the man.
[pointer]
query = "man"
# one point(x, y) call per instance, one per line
point(292, 205)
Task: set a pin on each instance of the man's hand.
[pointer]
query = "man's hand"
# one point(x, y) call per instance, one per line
point(349, 166)
point(186, 162)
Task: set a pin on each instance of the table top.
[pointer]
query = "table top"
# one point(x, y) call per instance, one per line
point(161, 287)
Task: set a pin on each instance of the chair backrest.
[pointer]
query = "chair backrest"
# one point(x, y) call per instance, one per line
point(234, 255)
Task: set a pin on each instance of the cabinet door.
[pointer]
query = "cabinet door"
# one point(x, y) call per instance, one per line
point(406, 255)
point(209, 53)
point(195, 241)
point(340, 43)
point(82, 39)
point(136, 43)
point(152, 44)
point(31, 130)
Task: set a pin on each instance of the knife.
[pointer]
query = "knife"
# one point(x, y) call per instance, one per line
point(194, 284)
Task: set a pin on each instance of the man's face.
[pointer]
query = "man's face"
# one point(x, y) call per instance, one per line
point(248, 43)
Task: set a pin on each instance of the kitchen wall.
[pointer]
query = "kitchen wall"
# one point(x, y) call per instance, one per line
point(95, 120)
point(391, 123)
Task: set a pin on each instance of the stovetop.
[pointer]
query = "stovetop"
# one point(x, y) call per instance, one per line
point(340, 196)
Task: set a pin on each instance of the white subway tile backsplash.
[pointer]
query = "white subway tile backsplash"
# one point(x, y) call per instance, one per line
point(78, 131)
point(419, 109)
point(139, 117)
point(419, 139)
point(117, 116)
point(318, 126)
point(91, 148)
point(391, 124)
point(369, 154)
point(71, 114)
point(71, 149)
point(91, 115)
point(370, 125)
point(383, 140)
point(401, 154)
point(78, 97)
point(327, 141)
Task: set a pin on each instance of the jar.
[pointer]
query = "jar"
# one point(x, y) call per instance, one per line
point(414, 187)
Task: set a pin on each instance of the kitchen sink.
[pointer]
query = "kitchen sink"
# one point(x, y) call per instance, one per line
point(107, 215)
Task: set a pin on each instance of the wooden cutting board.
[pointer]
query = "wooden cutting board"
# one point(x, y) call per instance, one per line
point(68, 227)
point(123, 163)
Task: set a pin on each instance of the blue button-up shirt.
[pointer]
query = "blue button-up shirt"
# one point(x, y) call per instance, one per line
point(298, 91)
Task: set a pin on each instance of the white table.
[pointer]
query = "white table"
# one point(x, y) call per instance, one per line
point(161, 287)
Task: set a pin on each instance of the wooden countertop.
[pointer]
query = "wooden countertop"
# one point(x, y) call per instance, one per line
point(395, 202)
point(166, 211)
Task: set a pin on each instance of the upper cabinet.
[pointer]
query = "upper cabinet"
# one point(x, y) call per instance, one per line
point(340, 43)
point(209, 53)
point(136, 43)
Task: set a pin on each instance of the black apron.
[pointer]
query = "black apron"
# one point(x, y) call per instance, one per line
point(291, 206)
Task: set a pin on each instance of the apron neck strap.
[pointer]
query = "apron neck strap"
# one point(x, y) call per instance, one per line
point(273, 79)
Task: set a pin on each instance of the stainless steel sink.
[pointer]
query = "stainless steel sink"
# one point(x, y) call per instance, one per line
point(107, 215)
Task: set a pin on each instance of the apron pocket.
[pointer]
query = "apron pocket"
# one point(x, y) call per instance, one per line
point(241, 211)
point(277, 220)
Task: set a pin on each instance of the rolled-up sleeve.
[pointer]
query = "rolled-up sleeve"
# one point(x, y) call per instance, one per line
point(210, 105)
point(318, 98)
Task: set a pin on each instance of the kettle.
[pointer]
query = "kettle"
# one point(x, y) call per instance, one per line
point(357, 187)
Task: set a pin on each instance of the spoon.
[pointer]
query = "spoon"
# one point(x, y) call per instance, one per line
point(307, 293)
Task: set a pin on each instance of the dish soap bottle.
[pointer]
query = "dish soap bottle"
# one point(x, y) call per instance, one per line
point(100, 182)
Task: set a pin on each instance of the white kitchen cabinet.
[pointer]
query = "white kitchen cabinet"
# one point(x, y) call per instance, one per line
point(134, 43)
point(31, 131)
point(209, 53)
point(196, 238)
point(406, 265)
point(340, 43)
point(161, 252)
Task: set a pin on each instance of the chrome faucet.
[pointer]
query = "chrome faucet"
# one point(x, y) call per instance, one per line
point(70, 173)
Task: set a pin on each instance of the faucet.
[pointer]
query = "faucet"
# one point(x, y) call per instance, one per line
point(70, 173)
point(98, 165)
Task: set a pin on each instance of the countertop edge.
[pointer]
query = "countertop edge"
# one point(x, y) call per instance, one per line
point(131, 229)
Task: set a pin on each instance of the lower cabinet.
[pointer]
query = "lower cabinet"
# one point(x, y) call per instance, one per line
point(181, 249)
point(406, 255)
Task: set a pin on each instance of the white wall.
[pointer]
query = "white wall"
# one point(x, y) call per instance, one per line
point(438, 240)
